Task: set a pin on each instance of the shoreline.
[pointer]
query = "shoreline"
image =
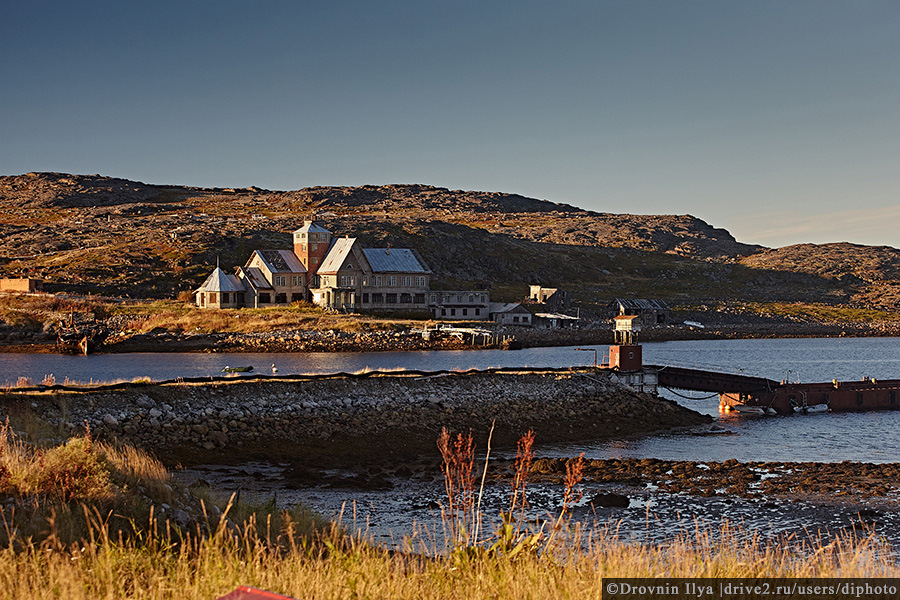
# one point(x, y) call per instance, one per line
point(290, 341)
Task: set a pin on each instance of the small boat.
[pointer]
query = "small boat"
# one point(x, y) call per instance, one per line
point(811, 410)
point(228, 369)
point(694, 324)
point(749, 410)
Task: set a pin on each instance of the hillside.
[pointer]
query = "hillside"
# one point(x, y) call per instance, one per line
point(93, 234)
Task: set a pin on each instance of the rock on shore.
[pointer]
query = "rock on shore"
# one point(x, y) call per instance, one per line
point(337, 420)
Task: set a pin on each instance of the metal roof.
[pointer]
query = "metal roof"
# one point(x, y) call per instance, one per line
point(281, 261)
point(641, 304)
point(393, 260)
point(257, 279)
point(338, 252)
point(556, 316)
point(220, 281)
point(311, 227)
point(505, 307)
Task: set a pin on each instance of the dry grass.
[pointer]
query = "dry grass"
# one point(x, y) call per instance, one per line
point(279, 551)
point(299, 316)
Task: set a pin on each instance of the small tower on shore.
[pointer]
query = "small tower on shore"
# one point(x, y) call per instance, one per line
point(625, 355)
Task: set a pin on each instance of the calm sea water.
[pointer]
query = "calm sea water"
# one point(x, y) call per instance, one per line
point(873, 437)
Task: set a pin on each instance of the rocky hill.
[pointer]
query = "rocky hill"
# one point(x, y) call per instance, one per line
point(94, 234)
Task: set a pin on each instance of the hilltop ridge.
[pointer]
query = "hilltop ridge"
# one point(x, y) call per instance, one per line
point(89, 233)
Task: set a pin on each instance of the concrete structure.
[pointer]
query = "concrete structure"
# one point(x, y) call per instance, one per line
point(460, 305)
point(554, 298)
point(511, 313)
point(220, 290)
point(23, 285)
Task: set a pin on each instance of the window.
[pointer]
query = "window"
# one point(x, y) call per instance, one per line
point(348, 266)
point(280, 280)
point(365, 299)
point(378, 280)
point(477, 312)
point(390, 298)
point(225, 297)
point(315, 260)
point(443, 312)
point(280, 298)
point(405, 298)
point(406, 281)
point(465, 312)
point(377, 298)
point(296, 297)
point(420, 299)
point(295, 280)
point(365, 280)
point(452, 312)
point(434, 298)
point(265, 298)
point(471, 297)
point(313, 247)
point(392, 281)
point(420, 281)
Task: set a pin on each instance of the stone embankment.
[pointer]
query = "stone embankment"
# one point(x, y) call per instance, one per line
point(342, 420)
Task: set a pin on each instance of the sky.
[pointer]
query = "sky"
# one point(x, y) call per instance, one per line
point(777, 120)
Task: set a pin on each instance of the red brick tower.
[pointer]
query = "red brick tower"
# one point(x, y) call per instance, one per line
point(311, 243)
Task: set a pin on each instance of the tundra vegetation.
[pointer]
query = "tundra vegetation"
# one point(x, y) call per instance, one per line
point(84, 520)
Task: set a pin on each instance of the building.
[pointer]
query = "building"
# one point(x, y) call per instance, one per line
point(511, 313)
point(460, 305)
point(220, 290)
point(273, 277)
point(553, 297)
point(351, 277)
point(23, 285)
point(651, 312)
point(334, 273)
point(544, 320)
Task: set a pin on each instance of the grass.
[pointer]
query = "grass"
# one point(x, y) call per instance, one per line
point(293, 553)
point(823, 313)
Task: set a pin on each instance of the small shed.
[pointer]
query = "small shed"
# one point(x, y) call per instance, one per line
point(220, 290)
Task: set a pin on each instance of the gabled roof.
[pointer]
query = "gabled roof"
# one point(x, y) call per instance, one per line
point(506, 307)
point(311, 227)
point(256, 279)
point(337, 254)
point(220, 281)
point(641, 304)
point(280, 261)
point(393, 260)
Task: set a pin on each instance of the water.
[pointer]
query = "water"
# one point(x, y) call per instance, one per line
point(390, 515)
point(818, 359)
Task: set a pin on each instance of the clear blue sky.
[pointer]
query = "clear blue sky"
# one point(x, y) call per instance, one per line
point(777, 120)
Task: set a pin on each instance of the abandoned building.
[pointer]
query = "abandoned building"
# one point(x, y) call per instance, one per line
point(460, 305)
point(22, 285)
point(333, 273)
point(651, 312)
point(510, 313)
point(554, 298)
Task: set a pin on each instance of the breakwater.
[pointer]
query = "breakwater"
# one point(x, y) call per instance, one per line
point(350, 418)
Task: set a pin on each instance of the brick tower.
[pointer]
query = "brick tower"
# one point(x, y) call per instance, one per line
point(311, 243)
